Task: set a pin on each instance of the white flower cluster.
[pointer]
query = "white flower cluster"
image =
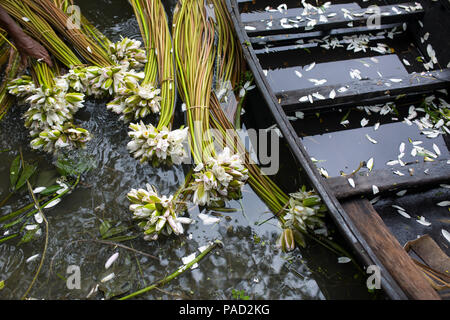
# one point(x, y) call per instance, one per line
point(111, 80)
point(136, 102)
point(157, 214)
point(304, 211)
point(128, 52)
point(66, 136)
point(157, 146)
point(220, 178)
point(50, 113)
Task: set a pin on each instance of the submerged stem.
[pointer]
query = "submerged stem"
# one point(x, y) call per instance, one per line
point(180, 271)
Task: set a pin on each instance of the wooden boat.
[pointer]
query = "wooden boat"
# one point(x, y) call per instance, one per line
point(377, 236)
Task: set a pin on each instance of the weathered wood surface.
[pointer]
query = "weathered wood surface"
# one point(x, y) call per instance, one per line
point(438, 172)
point(364, 90)
point(255, 28)
point(282, 39)
point(389, 252)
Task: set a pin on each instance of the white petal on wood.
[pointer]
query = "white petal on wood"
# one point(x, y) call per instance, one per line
point(403, 213)
point(446, 234)
point(332, 94)
point(436, 149)
point(375, 189)
point(351, 182)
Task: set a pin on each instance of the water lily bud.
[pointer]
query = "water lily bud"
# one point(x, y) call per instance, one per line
point(287, 240)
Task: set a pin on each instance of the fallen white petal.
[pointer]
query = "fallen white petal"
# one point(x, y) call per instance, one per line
point(111, 260)
point(108, 277)
point(344, 260)
point(351, 182)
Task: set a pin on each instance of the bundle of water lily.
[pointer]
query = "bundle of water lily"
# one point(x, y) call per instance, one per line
point(219, 177)
point(155, 144)
point(55, 98)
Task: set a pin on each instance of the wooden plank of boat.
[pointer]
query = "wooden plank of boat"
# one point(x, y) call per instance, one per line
point(424, 174)
point(340, 20)
point(364, 90)
point(280, 39)
point(337, 213)
point(389, 251)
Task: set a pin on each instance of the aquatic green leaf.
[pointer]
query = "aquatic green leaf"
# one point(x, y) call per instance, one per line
point(74, 168)
point(27, 172)
point(51, 190)
point(28, 236)
point(2, 284)
point(4, 239)
point(14, 171)
point(299, 239)
point(104, 227)
point(114, 231)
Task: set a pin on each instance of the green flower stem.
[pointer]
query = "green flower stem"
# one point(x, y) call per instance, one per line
point(180, 271)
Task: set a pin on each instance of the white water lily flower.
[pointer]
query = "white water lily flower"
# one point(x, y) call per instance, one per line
point(304, 211)
point(220, 178)
point(157, 146)
point(128, 52)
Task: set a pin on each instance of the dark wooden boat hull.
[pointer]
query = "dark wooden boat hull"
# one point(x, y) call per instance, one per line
point(357, 220)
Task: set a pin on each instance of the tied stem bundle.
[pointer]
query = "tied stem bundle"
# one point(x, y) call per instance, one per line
point(160, 144)
point(217, 177)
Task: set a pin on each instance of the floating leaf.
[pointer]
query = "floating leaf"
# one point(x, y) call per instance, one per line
point(27, 172)
point(14, 171)
point(50, 190)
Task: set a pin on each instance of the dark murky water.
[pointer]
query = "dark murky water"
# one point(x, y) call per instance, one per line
point(249, 261)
